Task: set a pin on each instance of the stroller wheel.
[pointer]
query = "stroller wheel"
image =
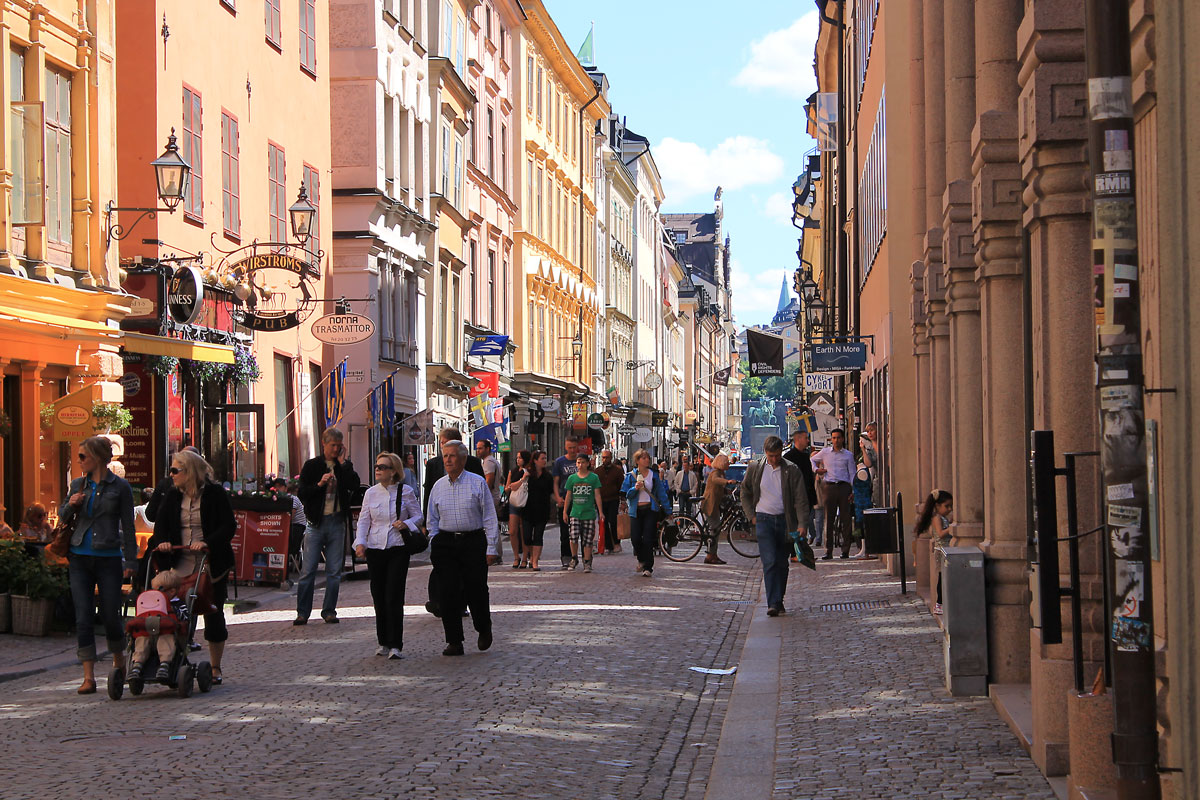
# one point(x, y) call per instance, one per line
point(116, 684)
point(184, 679)
point(204, 676)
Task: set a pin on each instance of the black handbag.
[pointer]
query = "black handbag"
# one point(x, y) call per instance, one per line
point(414, 541)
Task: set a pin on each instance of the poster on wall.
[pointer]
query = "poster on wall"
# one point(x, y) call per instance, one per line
point(140, 388)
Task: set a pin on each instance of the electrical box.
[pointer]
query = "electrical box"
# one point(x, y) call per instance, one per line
point(964, 610)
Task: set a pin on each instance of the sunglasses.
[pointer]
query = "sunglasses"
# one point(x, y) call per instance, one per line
point(174, 470)
point(383, 466)
point(83, 456)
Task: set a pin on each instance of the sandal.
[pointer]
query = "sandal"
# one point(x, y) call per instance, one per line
point(516, 565)
point(216, 678)
point(536, 569)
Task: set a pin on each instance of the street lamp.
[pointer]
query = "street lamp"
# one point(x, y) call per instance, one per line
point(171, 174)
point(302, 213)
point(815, 311)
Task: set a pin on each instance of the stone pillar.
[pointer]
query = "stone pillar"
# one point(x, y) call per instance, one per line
point(996, 221)
point(965, 423)
point(31, 428)
point(916, 119)
point(1052, 143)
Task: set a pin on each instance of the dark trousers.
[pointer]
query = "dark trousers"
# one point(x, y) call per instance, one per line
point(460, 565)
point(611, 509)
point(214, 622)
point(838, 498)
point(388, 569)
point(643, 535)
point(685, 503)
point(96, 578)
point(564, 540)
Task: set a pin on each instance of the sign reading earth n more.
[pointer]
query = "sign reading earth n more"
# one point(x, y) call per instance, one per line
point(343, 328)
point(844, 357)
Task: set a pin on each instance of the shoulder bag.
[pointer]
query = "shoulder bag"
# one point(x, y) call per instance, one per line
point(520, 495)
point(414, 541)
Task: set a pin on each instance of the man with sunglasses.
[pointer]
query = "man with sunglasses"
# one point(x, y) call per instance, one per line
point(327, 483)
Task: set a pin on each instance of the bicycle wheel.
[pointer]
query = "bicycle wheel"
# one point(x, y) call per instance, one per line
point(680, 537)
point(743, 540)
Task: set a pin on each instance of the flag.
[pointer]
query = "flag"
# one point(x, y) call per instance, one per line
point(387, 404)
point(765, 352)
point(373, 409)
point(614, 395)
point(721, 376)
point(335, 395)
point(587, 50)
point(481, 407)
point(807, 420)
point(418, 429)
point(488, 346)
point(489, 384)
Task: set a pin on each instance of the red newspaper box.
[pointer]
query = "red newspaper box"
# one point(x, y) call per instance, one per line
point(260, 546)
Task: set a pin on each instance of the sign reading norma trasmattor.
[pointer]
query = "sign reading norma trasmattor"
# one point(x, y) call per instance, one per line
point(343, 328)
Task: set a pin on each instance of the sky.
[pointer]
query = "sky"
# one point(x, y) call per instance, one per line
point(720, 96)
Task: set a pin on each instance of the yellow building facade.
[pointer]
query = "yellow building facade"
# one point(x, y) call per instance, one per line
point(556, 301)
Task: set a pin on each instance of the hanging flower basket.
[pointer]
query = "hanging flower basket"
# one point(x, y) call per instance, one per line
point(111, 417)
point(162, 366)
point(207, 371)
point(244, 369)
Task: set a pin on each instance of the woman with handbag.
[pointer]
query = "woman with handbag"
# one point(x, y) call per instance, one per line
point(516, 489)
point(196, 513)
point(389, 509)
point(96, 525)
point(647, 493)
point(537, 508)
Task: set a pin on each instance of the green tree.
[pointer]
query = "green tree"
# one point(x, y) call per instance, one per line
point(783, 387)
point(752, 389)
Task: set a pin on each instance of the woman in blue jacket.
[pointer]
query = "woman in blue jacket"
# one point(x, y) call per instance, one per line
point(647, 494)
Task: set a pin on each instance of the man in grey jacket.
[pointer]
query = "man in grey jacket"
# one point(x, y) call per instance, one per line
point(776, 503)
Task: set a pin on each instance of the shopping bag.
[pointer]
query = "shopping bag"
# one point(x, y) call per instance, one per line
point(622, 526)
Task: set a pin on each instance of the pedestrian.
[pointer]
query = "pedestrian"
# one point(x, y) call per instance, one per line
point(462, 515)
point(800, 454)
point(686, 483)
point(389, 507)
point(936, 517)
point(647, 494)
point(492, 474)
point(668, 476)
point(871, 458)
point(410, 472)
point(776, 503)
point(582, 511)
point(714, 495)
point(564, 467)
point(611, 477)
point(435, 468)
point(326, 485)
point(537, 508)
point(299, 521)
point(102, 554)
point(861, 491)
point(34, 527)
point(164, 486)
point(518, 477)
point(836, 465)
point(196, 513)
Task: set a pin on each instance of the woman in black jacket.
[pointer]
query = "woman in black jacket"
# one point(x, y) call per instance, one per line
point(196, 513)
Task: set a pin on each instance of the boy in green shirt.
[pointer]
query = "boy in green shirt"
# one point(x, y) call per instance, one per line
point(582, 511)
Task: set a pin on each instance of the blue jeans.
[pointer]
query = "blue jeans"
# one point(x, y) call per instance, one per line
point(328, 537)
point(86, 574)
point(773, 546)
point(818, 524)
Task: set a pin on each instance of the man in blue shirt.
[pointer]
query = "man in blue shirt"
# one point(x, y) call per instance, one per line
point(564, 467)
point(836, 465)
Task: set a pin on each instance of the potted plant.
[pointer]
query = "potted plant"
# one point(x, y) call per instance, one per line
point(40, 584)
point(111, 417)
point(12, 560)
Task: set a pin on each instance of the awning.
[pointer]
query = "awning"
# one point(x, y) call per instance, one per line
point(85, 326)
point(150, 345)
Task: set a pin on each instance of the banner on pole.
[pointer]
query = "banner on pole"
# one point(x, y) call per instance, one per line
point(335, 395)
point(765, 353)
point(418, 429)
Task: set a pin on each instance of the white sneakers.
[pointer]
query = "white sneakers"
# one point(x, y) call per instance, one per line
point(395, 653)
point(381, 651)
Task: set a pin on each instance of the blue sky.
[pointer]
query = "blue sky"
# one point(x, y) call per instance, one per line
point(720, 96)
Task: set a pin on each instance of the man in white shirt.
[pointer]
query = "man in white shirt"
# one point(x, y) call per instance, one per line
point(491, 473)
point(776, 503)
point(461, 519)
point(837, 466)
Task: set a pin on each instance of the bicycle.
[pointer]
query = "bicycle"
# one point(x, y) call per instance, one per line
point(681, 537)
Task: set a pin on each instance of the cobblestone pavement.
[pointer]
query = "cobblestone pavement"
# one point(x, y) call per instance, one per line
point(863, 709)
point(586, 693)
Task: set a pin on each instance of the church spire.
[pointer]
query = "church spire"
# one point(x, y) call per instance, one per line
point(784, 297)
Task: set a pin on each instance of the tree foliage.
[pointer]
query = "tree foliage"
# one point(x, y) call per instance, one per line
point(782, 387)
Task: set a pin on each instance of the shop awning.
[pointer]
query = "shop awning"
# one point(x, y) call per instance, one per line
point(81, 326)
point(150, 345)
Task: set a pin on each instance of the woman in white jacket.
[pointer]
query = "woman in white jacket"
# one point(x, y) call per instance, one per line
point(388, 507)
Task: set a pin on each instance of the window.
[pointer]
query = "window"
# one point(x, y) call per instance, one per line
point(503, 41)
point(312, 185)
point(308, 36)
point(460, 47)
point(491, 289)
point(491, 144)
point(529, 193)
point(193, 153)
point(504, 305)
point(284, 404)
point(529, 84)
point(473, 266)
point(277, 193)
point(58, 155)
point(274, 23)
point(539, 95)
point(542, 337)
point(447, 28)
point(539, 202)
point(872, 194)
point(504, 158)
point(231, 202)
point(459, 195)
point(26, 127)
point(487, 28)
point(445, 159)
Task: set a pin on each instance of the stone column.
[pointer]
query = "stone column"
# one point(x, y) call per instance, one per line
point(916, 119)
point(31, 428)
point(965, 423)
point(996, 220)
point(1052, 144)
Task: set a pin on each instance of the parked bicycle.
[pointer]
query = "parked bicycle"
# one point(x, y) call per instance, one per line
point(682, 536)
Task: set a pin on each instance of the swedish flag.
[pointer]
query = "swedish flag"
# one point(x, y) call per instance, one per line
point(335, 395)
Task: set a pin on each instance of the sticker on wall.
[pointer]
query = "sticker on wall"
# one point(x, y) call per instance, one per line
point(1130, 635)
point(1110, 98)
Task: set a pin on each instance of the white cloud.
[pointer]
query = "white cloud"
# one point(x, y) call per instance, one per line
point(688, 169)
point(783, 60)
point(778, 208)
point(755, 295)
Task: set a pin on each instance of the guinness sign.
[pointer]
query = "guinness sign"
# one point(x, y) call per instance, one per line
point(185, 295)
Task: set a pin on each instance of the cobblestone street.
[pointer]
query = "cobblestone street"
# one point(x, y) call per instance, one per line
point(586, 693)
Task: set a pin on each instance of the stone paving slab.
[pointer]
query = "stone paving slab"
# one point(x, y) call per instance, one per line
point(586, 693)
point(863, 711)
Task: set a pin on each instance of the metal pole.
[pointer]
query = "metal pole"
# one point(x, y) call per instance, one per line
point(900, 534)
point(1073, 567)
point(1120, 380)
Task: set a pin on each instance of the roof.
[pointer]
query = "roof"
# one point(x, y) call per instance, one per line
point(699, 227)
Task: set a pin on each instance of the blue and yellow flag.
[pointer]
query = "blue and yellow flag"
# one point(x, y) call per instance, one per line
point(372, 410)
point(335, 395)
point(388, 403)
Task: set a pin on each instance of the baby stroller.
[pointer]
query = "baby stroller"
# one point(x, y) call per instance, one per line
point(154, 619)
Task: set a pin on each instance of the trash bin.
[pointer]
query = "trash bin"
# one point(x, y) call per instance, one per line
point(879, 531)
point(964, 604)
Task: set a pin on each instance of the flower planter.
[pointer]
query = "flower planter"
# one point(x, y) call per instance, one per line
point(5, 612)
point(31, 617)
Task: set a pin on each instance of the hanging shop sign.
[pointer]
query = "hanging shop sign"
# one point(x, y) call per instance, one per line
point(653, 381)
point(643, 435)
point(839, 357)
point(597, 421)
point(626, 430)
point(689, 416)
point(660, 419)
point(185, 295)
point(278, 291)
point(343, 328)
point(816, 382)
point(550, 405)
